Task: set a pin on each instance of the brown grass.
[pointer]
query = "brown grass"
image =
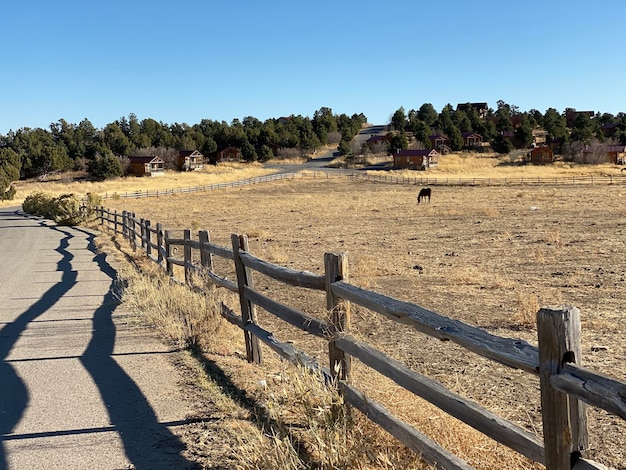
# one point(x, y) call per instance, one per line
point(471, 165)
point(488, 256)
point(69, 183)
point(482, 255)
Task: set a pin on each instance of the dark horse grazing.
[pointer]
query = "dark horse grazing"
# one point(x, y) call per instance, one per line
point(424, 193)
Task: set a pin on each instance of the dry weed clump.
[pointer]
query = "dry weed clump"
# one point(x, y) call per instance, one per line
point(185, 317)
point(307, 426)
point(528, 306)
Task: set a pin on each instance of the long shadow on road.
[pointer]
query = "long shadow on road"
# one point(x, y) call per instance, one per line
point(148, 444)
point(13, 392)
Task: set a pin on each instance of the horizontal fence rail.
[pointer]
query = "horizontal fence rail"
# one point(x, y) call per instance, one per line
point(521, 181)
point(566, 387)
point(137, 194)
point(511, 352)
point(378, 178)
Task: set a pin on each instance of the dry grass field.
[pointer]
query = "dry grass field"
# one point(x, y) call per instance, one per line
point(63, 183)
point(489, 256)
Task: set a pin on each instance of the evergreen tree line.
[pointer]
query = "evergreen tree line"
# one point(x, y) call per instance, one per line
point(28, 153)
point(497, 125)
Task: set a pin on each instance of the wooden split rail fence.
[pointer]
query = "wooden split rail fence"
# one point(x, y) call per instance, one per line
point(566, 387)
point(520, 181)
point(379, 178)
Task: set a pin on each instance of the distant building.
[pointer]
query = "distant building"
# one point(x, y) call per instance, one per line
point(481, 108)
point(540, 137)
point(226, 154)
point(615, 154)
point(609, 129)
point(471, 140)
point(540, 155)
point(440, 142)
point(571, 114)
point(415, 159)
point(190, 160)
point(378, 141)
point(146, 166)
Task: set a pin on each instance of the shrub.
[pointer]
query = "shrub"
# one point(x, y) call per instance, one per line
point(266, 153)
point(91, 202)
point(68, 210)
point(40, 204)
point(64, 209)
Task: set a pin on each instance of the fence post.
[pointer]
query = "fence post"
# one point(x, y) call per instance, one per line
point(564, 417)
point(133, 233)
point(336, 269)
point(206, 258)
point(187, 256)
point(142, 232)
point(148, 238)
point(124, 226)
point(248, 309)
point(160, 245)
point(169, 267)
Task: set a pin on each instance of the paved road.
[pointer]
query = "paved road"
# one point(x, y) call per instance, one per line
point(81, 387)
point(320, 163)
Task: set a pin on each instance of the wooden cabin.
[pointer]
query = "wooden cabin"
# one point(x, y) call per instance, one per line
point(226, 154)
point(146, 166)
point(540, 155)
point(540, 137)
point(471, 140)
point(377, 142)
point(415, 159)
point(190, 160)
point(440, 143)
point(615, 154)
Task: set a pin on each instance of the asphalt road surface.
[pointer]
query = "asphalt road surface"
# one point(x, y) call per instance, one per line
point(320, 163)
point(81, 385)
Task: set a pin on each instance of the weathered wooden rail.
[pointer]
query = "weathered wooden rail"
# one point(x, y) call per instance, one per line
point(566, 387)
point(519, 181)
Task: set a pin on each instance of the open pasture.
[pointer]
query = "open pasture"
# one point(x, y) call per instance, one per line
point(489, 256)
point(77, 183)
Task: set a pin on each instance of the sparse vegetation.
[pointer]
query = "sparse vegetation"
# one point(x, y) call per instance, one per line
point(76, 183)
point(506, 252)
point(488, 256)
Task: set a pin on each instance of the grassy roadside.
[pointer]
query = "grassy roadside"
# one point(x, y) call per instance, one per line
point(247, 416)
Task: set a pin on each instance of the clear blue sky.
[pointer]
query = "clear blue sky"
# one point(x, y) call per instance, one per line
point(189, 60)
